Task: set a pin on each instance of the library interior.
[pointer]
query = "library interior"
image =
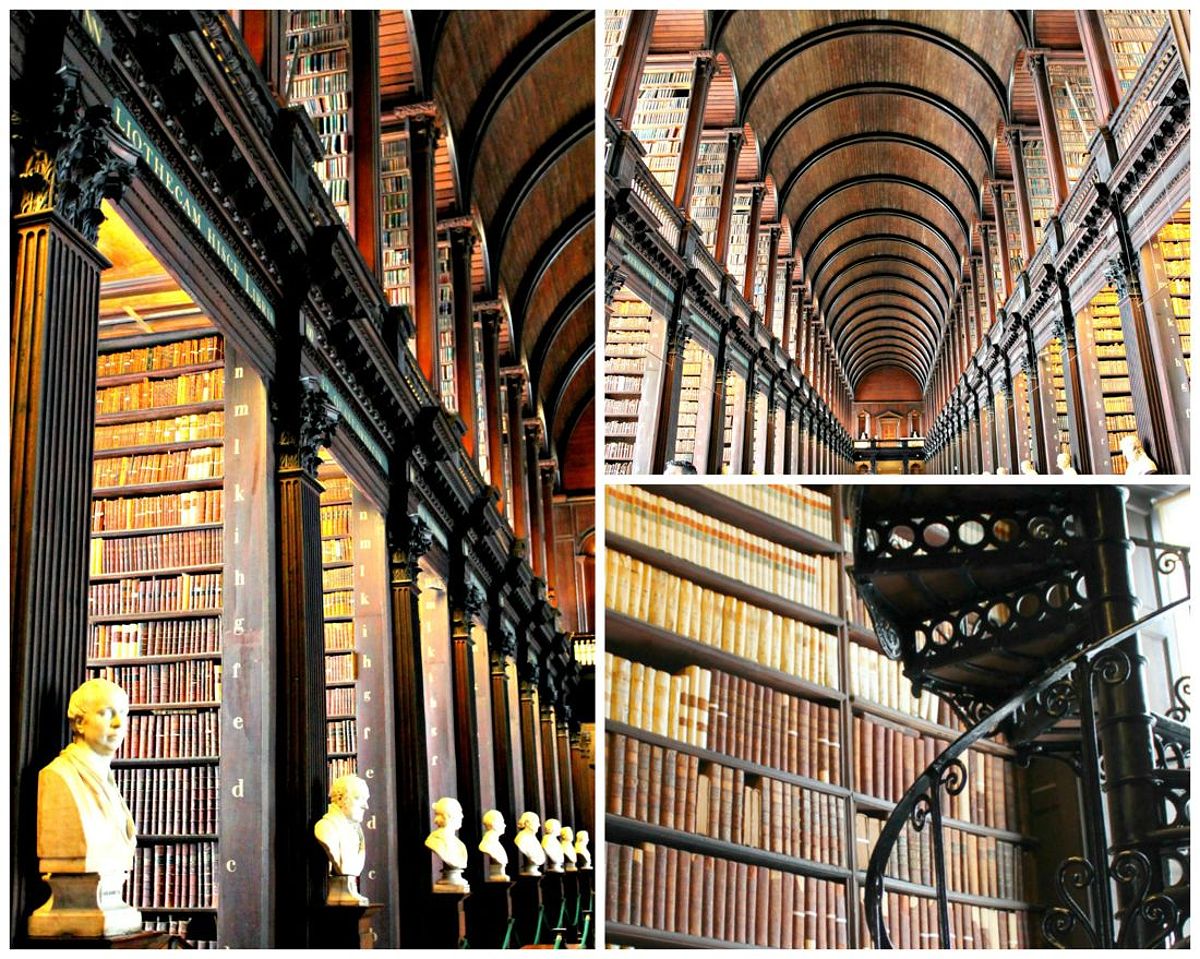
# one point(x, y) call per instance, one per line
point(856, 241)
point(914, 716)
point(303, 460)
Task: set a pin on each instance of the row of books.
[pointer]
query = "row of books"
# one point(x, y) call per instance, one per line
point(655, 521)
point(174, 594)
point(339, 636)
point(339, 578)
point(340, 669)
point(339, 602)
point(664, 787)
point(337, 489)
point(168, 467)
point(888, 759)
point(177, 927)
point(337, 550)
point(143, 553)
point(176, 734)
point(798, 506)
point(186, 681)
point(672, 890)
point(192, 352)
point(341, 736)
point(881, 680)
point(179, 429)
point(157, 637)
point(335, 520)
point(172, 800)
point(164, 510)
point(205, 387)
point(975, 865)
point(670, 602)
point(339, 701)
point(856, 609)
point(623, 384)
point(342, 766)
point(912, 923)
point(173, 876)
point(675, 706)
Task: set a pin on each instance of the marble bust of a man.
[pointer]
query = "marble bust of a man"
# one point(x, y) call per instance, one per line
point(582, 853)
point(532, 853)
point(567, 841)
point(85, 833)
point(552, 846)
point(340, 834)
point(444, 841)
point(490, 845)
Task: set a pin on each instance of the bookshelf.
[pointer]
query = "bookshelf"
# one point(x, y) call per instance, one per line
point(394, 191)
point(633, 349)
point(762, 261)
point(1104, 359)
point(781, 281)
point(735, 397)
point(1024, 418)
point(757, 738)
point(1053, 358)
point(1170, 255)
point(706, 188)
point(481, 416)
point(1037, 175)
point(661, 115)
point(739, 237)
point(1012, 225)
point(338, 592)
point(318, 72)
point(1074, 104)
point(997, 272)
point(1131, 34)
point(695, 405)
point(155, 604)
point(445, 326)
point(615, 24)
point(759, 439)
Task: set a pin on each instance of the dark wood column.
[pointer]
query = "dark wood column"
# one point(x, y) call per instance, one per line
point(548, 469)
point(530, 759)
point(502, 650)
point(789, 317)
point(1100, 64)
point(772, 270)
point(1006, 277)
point(1014, 434)
point(515, 384)
point(690, 148)
point(422, 142)
point(733, 149)
point(716, 423)
point(1081, 453)
point(552, 806)
point(490, 319)
point(264, 34)
point(751, 391)
point(465, 603)
point(567, 808)
point(537, 519)
point(631, 63)
point(1037, 424)
point(1021, 188)
point(462, 246)
point(756, 198)
point(679, 331)
point(1048, 121)
point(304, 422)
point(409, 538)
point(364, 108)
point(769, 461)
point(989, 282)
point(789, 448)
point(52, 368)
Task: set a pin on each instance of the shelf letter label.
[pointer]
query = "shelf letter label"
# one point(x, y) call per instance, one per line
point(239, 789)
point(241, 409)
point(239, 722)
point(239, 626)
point(231, 865)
point(238, 578)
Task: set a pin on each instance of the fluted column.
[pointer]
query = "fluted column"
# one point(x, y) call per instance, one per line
point(502, 650)
point(537, 519)
point(1006, 276)
point(690, 147)
point(548, 470)
point(1048, 121)
point(465, 603)
point(422, 145)
point(631, 62)
point(679, 332)
point(515, 384)
point(756, 198)
point(489, 322)
point(716, 423)
point(769, 459)
point(1021, 189)
point(462, 246)
point(789, 318)
point(748, 419)
point(733, 149)
point(1100, 64)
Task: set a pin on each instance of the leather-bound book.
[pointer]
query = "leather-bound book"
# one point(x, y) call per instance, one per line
point(655, 795)
point(718, 900)
point(634, 909)
point(775, 910)
point(642, 807)
point(624, 898)
point(644, 905)
point(659, 912)
point(629, 806)
point(702, 896)
point(682, 790)
point(615, 752)
point(689, 814)
point(671, 901)
point(612, 880)
point(667, 804)
point(683, 883)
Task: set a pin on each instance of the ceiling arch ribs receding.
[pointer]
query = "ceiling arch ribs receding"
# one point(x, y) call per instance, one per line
point(560, 240)
point(894, 218)
point(887, 28)
point(576, 395)
point(867, 308)
point(894, 260)
point(891, 282)
point(883, 362)
point(879, 350)
point(556, 323)
point(890, 323)
point(573, 366)
point(893, 245)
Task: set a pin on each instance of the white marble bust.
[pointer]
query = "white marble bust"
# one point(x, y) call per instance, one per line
point(1137, 463)
point(582, 854)
point(1064, 464)
point(85, 834)
point(444, 841)
point(340, 834)
point(492, 848)
point(1028, 468)
point(551, 845)
point(532, 854)
point(566, 838)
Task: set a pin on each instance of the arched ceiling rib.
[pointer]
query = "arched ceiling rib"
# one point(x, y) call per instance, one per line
point(880, 130)
point(516, 93)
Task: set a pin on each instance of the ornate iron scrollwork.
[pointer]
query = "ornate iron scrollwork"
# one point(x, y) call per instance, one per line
point(1180, 695)
point(1060, 921)
point(1155, 911)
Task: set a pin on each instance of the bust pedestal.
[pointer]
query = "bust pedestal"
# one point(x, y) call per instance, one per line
point(489, 909)
point(553, 906)
point(570, 885)
point(526, 909)
point(348, 926)
point(134, 940)
point(447, 919)
point(87, 904)
point(586, 908)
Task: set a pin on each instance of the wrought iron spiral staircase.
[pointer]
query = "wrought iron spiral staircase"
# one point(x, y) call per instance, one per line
point(1019, 607)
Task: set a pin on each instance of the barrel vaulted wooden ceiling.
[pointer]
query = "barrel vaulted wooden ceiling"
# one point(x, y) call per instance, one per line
point(516, 94)
point(878, 131)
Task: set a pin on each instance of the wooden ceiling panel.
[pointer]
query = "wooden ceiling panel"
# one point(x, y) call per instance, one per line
point(882, 225)
point(720, 109)
point(397, 81)
point(885, 251)
point(678, 31)
point(570, 271)
point(576, 338)
point(578, 452)
point(886, 270)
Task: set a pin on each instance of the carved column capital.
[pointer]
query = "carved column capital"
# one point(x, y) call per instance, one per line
point(614, 279)
point(301, 439)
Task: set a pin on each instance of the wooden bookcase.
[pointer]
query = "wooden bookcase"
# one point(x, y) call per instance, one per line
point(786, 801)
point(735, 394)
point(341, 653)
point(706, 188)
point(318, 72)
point(695, 399)
point(632, 368)
point(1074, 103)
point(1170, 273)
point(395, 187)
point(1105, 372)
point(661, 115)
point(739, 237)
point(1024, 417)
point(762, 259)
point(445, 327)
point(1037, 176)
point(1012, 226)
point(1131, 34)
point(1052, 360)
point(615, 24)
